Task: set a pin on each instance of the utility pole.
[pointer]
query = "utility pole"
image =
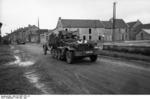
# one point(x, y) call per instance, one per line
point(114, 21)
point(38, 41)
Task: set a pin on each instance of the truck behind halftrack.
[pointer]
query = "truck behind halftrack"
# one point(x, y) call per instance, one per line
point(67, 46)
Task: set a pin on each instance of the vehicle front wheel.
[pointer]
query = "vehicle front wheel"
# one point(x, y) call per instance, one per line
point(69, 57)
point(93, 58)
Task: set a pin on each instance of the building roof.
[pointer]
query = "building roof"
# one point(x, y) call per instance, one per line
point(138, 28)
point(142, 26)
point(74, 23)
point(146, 26)
point(107, 24)
point(40, 31)
point(131, 24)
point(119, 23)
point(146, 30)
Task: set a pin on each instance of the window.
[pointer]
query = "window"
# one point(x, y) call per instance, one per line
point(142, 37)
point(46, 38)
point(84, 37)
point(122, 36)
point(90, 31)
point(99, 37)
point(90, 37)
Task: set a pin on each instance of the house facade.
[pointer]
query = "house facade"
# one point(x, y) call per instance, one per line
point(87, 29)
point(31, 34)
point(43, 35)
point(134, 29)
point(27, 34)
point(120, 31)
point(143, 35)
point(107, 31)
point(17, 35)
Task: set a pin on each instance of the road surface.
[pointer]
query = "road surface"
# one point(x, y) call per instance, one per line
point(106, 76)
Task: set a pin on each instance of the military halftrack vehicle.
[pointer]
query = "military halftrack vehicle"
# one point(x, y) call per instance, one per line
point(67, 46)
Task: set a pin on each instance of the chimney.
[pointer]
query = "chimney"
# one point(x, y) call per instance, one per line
point(114, 19)
point(59, 18)
point(114, 10)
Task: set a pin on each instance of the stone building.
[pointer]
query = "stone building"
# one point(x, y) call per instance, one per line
point(134, 29)
point(87, 29)
point(120, 32)
point(43, 35)
point(26, 34)
point(108, 30)
point(31, 34)
point(143, 32)
point(143, 35)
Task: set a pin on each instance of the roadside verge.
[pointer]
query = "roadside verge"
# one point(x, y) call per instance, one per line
point(124, 55)
point(6, 55)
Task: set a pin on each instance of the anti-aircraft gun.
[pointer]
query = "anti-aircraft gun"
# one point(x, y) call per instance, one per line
point(67, 46)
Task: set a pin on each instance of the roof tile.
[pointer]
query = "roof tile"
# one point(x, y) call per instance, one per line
point(72, 23)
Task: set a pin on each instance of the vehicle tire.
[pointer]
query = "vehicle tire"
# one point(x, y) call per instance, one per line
point(69, 57)
point(93, 58)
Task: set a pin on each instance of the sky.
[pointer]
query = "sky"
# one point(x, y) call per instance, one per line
point(19, 13)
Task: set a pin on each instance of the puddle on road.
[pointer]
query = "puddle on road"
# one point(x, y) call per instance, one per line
point(21, 63)
point(34, 79)
point(31, 76)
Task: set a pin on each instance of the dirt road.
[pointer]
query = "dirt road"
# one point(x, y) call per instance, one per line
point(106, 76)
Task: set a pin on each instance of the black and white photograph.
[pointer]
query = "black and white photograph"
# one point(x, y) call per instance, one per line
point(74, 47)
